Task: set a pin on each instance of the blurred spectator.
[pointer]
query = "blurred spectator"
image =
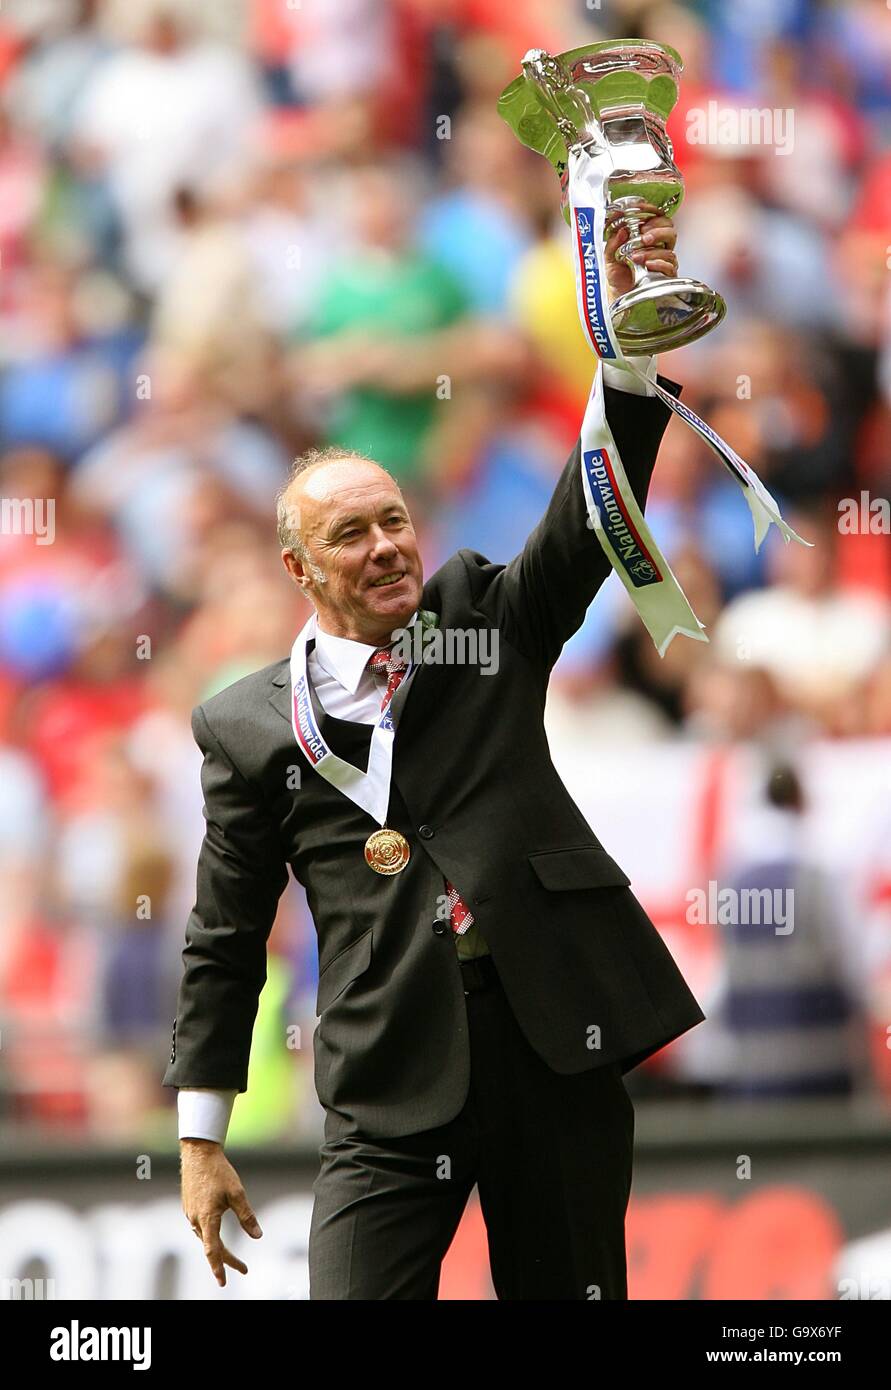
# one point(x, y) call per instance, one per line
point(175, 110)
point(544, 306)
point(794, 983)
point(293, 241)
point(819, 643)
point(58, 65)
point(385, 289)
point(71, 378)
point(730, 703)
point(664, 680)
point(316, 53)
point(853, 42)
point(480, 227)
point(22, 809)
point(764, 260)
point(208, 321)
point(696, 506)
point(586, 705)
point(862, 253)
point(185, 451)
point(22, 172)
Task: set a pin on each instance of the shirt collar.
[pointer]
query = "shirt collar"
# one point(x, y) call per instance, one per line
point(345, 659)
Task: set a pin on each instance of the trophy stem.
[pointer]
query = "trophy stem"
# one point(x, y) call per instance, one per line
point(627, 212)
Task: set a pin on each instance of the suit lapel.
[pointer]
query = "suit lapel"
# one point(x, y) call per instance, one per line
point(280, 694)
point(348, 739)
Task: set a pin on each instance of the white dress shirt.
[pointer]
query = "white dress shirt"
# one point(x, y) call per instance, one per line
point(620, 380)
point(337, 668)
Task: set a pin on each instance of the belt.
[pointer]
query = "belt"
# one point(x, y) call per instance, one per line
point(478, 974)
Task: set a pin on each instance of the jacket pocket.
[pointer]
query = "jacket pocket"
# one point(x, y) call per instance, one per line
point(584, 866)
point(346, 966)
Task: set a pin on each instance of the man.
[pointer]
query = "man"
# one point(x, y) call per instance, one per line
point(486, 974)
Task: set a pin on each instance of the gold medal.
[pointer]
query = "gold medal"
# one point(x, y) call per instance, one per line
point(386, 851)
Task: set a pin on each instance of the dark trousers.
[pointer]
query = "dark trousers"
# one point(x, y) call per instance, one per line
point(551, 1156)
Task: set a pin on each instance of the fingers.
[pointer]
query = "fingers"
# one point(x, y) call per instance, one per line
point(640, 206)
point(660, 232)
point(242, 1208)
point(663, 263)
point(233, 1262)
point(658, 237)
point(218, 1256)
point(213, 1249)
point(613, 242)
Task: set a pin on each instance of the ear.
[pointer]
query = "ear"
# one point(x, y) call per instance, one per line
point(296, 569)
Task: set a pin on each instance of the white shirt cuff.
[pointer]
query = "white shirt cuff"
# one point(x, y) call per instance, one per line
point(204, 1114)
point(621, 380)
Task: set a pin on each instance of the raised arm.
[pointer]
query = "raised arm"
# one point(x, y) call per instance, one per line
point(540, 598)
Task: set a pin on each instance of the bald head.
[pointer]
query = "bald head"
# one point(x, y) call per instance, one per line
point(288, 509)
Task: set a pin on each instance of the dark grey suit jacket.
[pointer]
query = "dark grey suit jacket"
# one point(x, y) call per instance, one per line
point(476, 794)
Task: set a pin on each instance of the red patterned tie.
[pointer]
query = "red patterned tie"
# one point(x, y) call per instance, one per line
point(383, 663)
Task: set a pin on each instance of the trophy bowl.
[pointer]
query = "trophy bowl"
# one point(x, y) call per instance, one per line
point(615, 97)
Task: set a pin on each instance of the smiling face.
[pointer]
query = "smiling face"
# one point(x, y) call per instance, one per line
point(362, 570)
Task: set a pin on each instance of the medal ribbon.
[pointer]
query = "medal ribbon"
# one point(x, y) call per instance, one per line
point(369, 789)
point(613, 512)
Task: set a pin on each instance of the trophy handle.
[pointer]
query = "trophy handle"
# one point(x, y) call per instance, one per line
point(568, 105)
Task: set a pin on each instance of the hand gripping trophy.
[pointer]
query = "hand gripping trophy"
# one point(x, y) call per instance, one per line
point(598, 114)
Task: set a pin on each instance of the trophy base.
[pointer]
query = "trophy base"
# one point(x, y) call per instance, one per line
point(664, 313)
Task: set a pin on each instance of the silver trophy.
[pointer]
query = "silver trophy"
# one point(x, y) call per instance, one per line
point(616, 97)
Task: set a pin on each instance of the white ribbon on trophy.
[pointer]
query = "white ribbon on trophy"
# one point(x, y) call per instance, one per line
point(613, 511)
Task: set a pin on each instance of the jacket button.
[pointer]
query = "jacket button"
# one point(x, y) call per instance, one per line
point(425, 832)
point(439, 928)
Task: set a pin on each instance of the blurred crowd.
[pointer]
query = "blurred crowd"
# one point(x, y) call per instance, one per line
point(232, 230)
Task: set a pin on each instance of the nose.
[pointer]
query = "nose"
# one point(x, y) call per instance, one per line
point(382, 547)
